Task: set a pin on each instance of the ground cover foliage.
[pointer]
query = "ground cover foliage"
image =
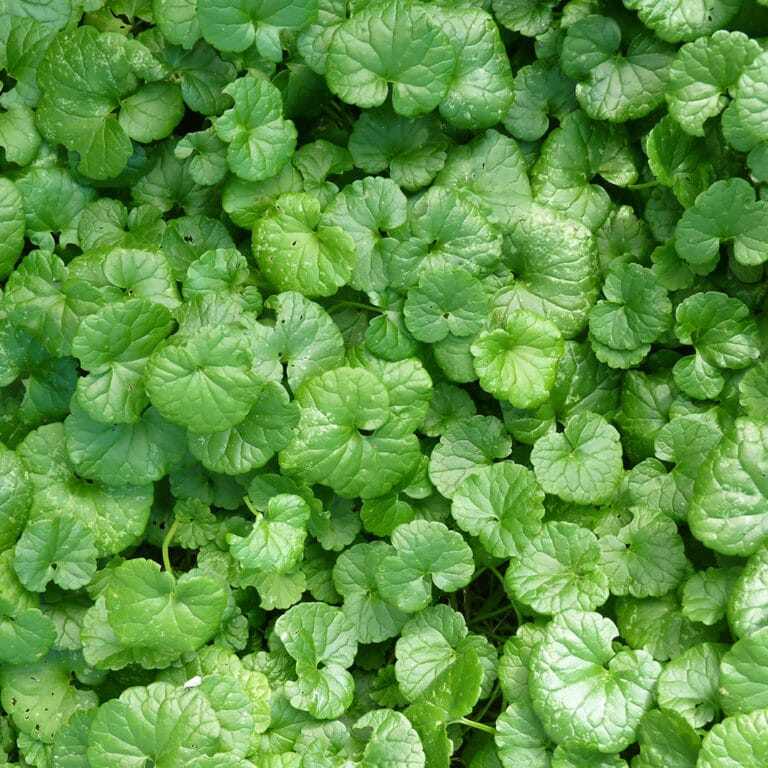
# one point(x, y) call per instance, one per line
point(383, 384)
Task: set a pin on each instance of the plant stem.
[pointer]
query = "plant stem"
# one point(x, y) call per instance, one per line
point(357, 305)
point(644, 185)
point(477, 726)
point(167, 543)
point(496, 573)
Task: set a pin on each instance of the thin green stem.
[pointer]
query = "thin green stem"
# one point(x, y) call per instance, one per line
point(477, 726)
point(493, 614)
point(496, 573)
point(167, 543)
point(494, 695)
point(644, 185)
point(357, 305)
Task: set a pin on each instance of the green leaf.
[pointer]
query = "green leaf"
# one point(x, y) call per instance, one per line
point(689, 684)
point(479, 92)
point(412, 149)
point(344, 438)
point(267, 429)
point(705, 594)
point(26, 637)
point(367, 209)
point(116, 516)
point(430, 652)
point(528, 17)
point(76, 108)
point(113, 345)
point(450, 301)
point(40, 697)
point(465, 448)
point(426, 553)
point(12, 226)
point(208, 153)
point(391, 740)
point(558, 570)
point(612, 85)
point(576, 672)
point(237, 26)
point(658, 626)
point(674, 21)
point(355, 578)
point(393, 42)
point(742, 677)
point(555, 267)
point(517, 361)
point(58, 549)
point(501, 504)
point(571, 156)
point(275, 543)
point(152, 112)
point(323, 642)
point(667, 742)
point(159, 723)
point(150, 608)
point(743, 120)
point(15, 497)
point(635, 311)
point(520, 738)
point(204, 382)
point(42, 300)
point(726, 212)
point(298, 249)
point(736, 742)
point(748, 602)
point(540, 90)
point(260, 142)
point(123, 454)
point(490, 173)
point(728, 510)
point(645, 557)
point(704, 73)
point(582, 464)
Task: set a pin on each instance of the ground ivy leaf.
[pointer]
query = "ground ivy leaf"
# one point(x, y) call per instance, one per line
point(259, 141)
point(275, 543)
point(116, 516)
point(676, 22)
point(426, 553)
point(298, 249)
point(731, 517)
point(577, 647)
point(464, 448)
point(502, 504)
point(689, 684)
point(343, 438)
point(323, 642)
point(559, 569)
point(124, 454)
point(518, 359)
point(702, 75)
point(393, 42)
point(582, 464)
point(205, 381)
point(58, 549)
point(355, 578)
point(148, 607)
point(26, 637)
point(267, 429)
point(615, 86)
point(736, 742)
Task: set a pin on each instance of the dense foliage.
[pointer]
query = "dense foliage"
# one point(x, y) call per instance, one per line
point(383, 384)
